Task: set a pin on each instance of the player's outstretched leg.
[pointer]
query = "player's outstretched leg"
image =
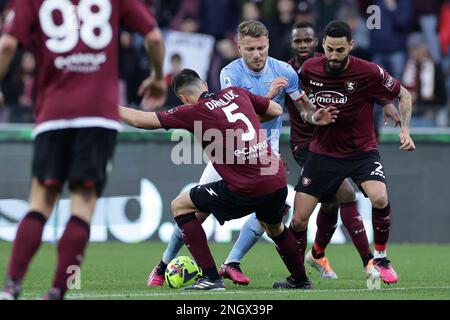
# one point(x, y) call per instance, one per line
point(156, 277)
point(250, 233)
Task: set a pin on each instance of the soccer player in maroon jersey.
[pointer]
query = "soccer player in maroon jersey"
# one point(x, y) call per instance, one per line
point(348, 148)
point(304, 43)
point(253, 176)
point(77, 117)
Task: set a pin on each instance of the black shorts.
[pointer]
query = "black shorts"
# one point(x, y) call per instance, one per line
point(300, 155)
point(226, 205)
point(322, 176)
point(80, 156)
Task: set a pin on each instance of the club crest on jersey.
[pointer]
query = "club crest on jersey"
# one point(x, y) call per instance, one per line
point(306, 181)
point(351, 86)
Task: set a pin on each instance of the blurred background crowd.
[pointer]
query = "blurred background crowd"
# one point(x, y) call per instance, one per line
point(413, 44)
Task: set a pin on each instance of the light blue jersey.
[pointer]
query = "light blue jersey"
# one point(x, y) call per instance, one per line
point(238, 74)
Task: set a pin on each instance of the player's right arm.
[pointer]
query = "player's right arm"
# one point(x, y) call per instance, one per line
point(274, 110)
point(139, 119)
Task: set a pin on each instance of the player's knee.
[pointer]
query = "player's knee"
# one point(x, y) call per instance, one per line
point(346, 195)
point(299, 223)
point(176, 207)
point(330, 208)
point(379, 201)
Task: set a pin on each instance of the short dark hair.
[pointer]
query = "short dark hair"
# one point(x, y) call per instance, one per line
point(184, 78)
point(302, 25)
point(338, 29)
point(252, 28)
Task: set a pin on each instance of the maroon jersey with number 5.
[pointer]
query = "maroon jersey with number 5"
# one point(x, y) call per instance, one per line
point(353, 93)
point(228, 127)
point(77, 57)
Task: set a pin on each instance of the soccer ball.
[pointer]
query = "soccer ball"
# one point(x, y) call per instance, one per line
point(181, 272)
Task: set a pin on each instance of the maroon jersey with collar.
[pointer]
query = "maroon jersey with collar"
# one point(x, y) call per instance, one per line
point(353, 93)
point(77, 57)
point(228, 124)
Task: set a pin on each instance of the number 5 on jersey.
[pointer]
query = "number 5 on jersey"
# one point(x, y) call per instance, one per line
point(233, 117)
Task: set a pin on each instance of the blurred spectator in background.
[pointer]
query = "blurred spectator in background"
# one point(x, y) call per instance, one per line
point(131, 75)
point(19, 93)
point(360, 32)
point(388, 44)
point(219, 17)
point(280, 29)
point(304, 12)
point(326, 11)
point(426, 14)
point(423, 78)
point(189, 24)
point(226, 51)
point(187, 8)
point(251, 10)
point(175, 67)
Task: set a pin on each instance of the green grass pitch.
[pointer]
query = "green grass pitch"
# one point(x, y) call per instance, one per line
point(119, 271)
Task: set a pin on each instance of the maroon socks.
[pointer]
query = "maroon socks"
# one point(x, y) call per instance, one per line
point(290, 253)
point(27, 242)
point(195, 239)
point(71, 249)
point(381, 220)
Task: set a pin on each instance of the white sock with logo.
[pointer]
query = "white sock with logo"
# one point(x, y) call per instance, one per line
point(379, 254)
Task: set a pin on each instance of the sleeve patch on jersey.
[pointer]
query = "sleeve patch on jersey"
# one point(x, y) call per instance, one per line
point(389, 83)
point(227, 82)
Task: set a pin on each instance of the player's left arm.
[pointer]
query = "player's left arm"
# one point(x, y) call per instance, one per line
point(139, 119)
point(405, 107)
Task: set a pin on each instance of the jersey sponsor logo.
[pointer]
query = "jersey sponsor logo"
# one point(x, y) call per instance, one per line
point(306, 181)
point(315, 83)
point(351, 86)
point(81, 62)
point(253, 151)
point(389, 83)
point(329, 98)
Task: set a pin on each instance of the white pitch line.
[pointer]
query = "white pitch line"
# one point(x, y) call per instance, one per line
point(186, 293)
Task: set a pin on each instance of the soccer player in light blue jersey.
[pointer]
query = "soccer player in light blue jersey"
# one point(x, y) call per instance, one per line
point(262, 75)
